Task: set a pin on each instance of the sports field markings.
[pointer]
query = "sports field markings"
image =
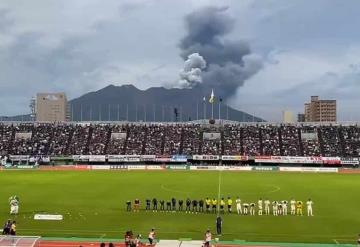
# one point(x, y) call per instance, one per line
point(175, 191)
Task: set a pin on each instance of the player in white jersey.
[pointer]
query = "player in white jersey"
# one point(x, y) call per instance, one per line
point(246, 208)
point(238, 205)
point(309, 204)
point(284, 207)
point(267, 206)
point(252, 208)
point(275, 208)
point(292, 207)
point(260, 206)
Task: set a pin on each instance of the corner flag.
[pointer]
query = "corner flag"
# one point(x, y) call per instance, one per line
point(212, 97)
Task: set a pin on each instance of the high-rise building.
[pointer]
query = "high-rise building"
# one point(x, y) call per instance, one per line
point(301, 117)
point(288, 117)
point(320, 110)
point(51, 107)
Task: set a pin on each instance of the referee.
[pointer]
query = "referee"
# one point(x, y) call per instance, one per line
point(218, 225)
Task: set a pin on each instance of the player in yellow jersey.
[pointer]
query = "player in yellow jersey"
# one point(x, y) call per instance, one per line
point(222, 205)
point(299, 208)
point(229, 203)
point(207, 203)
point(214, 205)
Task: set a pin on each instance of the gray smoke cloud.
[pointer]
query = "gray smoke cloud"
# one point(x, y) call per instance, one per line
point(190, 75)
point(229, 63)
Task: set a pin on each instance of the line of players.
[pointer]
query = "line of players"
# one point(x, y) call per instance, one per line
point(212, 206)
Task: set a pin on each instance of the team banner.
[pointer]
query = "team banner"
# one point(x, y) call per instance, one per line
point(308, 169)
point(118, 167)
point(265, 168)
point(235, 158)
point(97, 158)
point(178, 158)
point(289, 159)
point(118, 136)
point(331, 160)
point(123, 158)
point(211, 136)
point(163, 158)
point(81, 158)
point(147, 157)
point(19, 157)
point(177, 167)
point(349, 161)
point(23, 135)
point(205, 157)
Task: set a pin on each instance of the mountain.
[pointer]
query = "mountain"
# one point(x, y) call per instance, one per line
point(126, 102)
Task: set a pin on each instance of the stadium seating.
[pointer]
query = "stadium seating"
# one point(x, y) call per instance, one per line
point(188, 139)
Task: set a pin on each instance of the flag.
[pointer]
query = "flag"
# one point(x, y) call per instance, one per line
point(212, 97)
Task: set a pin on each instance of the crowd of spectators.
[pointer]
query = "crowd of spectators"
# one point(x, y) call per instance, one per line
point(117, 140)
point(351, 140)
point(191, 139)
point(79, 140)
point(99, 139)
point(187, 139)
point(330, 140)
point(290, 141)
point(270, 140)
point(232, 140)
point(311, 146)
point(251, 140)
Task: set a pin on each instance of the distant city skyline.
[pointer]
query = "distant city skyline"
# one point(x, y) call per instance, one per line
point(296, 49)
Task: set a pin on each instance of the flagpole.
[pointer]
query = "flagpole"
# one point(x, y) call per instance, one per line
point(212, 110)
point(204, 109)
point(219, 110)
point(197, 110)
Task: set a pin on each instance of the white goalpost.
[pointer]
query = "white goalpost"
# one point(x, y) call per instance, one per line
point(23, 241)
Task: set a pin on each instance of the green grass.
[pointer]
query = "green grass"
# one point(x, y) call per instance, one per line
point(93, 203)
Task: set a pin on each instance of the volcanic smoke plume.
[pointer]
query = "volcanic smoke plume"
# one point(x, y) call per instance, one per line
point(225, 65)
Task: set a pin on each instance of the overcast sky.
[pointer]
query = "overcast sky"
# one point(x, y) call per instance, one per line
point(306, 47)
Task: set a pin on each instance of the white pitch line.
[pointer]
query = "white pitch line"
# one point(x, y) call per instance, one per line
point(219, 191)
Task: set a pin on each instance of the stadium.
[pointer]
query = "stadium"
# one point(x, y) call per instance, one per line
point(86, 172)
point(182, 123)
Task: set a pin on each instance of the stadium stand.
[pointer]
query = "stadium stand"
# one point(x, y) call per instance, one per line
point(181, 138)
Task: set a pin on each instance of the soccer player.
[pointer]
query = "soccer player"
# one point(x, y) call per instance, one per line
point(207, 203)
point(246, 208)
point(252, 208)
point(155, 203)
point(207, 239)
point(267, 206)
point(229, 203)
point(7, 226)
point(147, 204)
point(284, 207)
point(214, 205)
point(238, 205)
point(292, 207)
point(299, 208)
point(260, 207)
point(128, 205)
point(309, 204)
point(194, 206)
point(188, 203)
point(222, 204)
point(201, 205)
point(162, 205)
point(136, 205)
point(168, 205)
point(275, 209)
point(181, 203)
point(14, 204)
point(13, 228)
point(279, 207)
point(173, 203)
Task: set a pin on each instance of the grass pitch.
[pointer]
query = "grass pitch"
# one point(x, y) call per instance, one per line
point(93, 204)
